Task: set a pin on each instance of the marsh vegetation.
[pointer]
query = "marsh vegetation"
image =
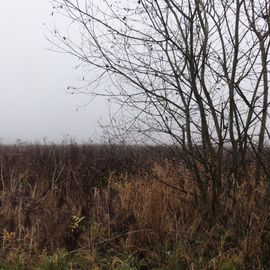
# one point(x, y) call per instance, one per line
point(75, 206)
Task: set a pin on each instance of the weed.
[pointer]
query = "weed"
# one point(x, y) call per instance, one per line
point(130, 220)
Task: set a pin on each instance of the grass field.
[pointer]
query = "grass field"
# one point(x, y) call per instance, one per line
point(113, 207)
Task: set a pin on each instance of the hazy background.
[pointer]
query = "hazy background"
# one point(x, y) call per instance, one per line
point(34, 102)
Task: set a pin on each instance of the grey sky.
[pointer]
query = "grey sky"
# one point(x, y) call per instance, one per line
point(33, 100)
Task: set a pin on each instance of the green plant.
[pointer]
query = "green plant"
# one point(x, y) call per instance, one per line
point(76, 222)
point(60, 260)
point(228, 266)
point(129, 262)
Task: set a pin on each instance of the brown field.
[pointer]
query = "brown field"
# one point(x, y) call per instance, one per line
point(113, 207)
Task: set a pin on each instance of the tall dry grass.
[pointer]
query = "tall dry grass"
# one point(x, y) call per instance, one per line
point(79, 199)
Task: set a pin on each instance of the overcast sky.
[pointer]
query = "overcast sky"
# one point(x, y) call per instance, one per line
point(33, 100)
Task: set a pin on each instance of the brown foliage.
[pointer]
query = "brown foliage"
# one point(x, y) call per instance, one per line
point(127, 209)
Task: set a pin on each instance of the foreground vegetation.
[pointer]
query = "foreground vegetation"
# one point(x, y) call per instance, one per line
point(116, 207)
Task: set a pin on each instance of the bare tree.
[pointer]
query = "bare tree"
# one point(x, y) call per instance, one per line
point(195, 71)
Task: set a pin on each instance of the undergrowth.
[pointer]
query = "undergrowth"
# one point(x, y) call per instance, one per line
point(60, 210)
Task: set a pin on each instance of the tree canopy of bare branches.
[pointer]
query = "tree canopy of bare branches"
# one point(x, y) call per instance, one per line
point(196, 71)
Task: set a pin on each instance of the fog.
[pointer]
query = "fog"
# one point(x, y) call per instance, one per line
point(34, 103)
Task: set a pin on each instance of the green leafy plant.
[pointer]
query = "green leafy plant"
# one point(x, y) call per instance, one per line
point(76, 222)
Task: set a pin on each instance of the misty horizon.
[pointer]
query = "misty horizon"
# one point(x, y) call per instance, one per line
point(34, 100)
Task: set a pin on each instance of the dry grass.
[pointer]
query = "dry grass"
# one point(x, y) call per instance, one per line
point(59, 208)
